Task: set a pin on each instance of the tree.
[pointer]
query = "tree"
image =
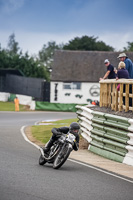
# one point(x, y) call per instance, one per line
point(129, 47)
point(25, 63)
point(87, 44)
point(12, 44)
point(4, 59)
point(30, 67)
point(46, 54)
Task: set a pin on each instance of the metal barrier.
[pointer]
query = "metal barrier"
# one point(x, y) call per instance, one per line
point(108, 135)
point(121, 99)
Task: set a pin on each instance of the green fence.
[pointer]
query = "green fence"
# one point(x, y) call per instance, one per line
point(47, 106)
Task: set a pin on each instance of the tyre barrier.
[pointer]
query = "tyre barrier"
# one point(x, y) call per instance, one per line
point(108, 135)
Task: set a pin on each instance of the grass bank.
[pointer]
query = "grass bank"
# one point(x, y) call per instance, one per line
point(43, 133)
point(10, 106)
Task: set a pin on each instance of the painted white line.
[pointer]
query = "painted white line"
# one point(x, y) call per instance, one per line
point(111, 174)
point(77, 162)
point(25, 137)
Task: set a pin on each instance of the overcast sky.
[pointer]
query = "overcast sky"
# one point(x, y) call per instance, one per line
point(35, 22)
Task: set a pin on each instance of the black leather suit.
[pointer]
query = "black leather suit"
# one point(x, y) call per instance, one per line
point(65, 130)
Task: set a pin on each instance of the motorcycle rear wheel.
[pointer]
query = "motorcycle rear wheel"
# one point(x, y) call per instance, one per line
point(61, 157)
point(42, 160)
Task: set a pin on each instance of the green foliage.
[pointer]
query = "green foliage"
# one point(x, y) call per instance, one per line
point(129, 47)
point(13, 59)
point(87, 44)
point(46, 54)
point(28, 66)
point(13, 45)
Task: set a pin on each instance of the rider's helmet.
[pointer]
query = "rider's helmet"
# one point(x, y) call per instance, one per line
point(74, 127)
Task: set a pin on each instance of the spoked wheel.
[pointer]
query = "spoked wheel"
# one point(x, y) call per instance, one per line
point(42, 160)
point(61, 157)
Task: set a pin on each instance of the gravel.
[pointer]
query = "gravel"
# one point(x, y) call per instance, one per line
point(128, 114)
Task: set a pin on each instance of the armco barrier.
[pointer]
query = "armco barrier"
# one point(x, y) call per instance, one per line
point(108, 135)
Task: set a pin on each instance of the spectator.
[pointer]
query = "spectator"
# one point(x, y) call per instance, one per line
point(110, 74)
point(129, 65)
point(16, 101)
point(122, 72)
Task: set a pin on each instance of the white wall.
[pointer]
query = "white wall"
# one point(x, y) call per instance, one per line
point(23, 99)
point(87, 91)
point(4, 96)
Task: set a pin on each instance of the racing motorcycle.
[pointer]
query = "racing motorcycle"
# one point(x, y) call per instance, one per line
point(59, 152)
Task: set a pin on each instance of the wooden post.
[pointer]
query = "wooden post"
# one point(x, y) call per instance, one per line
point(101, 94)
point(116, 98)
point(105, 95)
point(121, 98)
point(113, 97)
point(127, 98)
point(109, 95)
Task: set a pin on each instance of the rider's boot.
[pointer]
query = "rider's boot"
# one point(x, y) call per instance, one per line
point(48, 145)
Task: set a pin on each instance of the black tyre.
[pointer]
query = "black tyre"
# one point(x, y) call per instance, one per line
point(42, 160)
point(61, 157)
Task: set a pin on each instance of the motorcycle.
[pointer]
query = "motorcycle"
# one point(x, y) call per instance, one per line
point(59, 152)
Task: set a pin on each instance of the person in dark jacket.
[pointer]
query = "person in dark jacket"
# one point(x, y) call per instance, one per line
point(122, 72)
point(110, 74)
point(129, 65)
point(57, 132)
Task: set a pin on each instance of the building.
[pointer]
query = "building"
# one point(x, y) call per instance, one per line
point(75, 75)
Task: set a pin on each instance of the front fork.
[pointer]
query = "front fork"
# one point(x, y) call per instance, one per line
point(62, 149)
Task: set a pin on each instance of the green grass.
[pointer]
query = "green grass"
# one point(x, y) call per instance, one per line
point(10, 106)
point(43, 132)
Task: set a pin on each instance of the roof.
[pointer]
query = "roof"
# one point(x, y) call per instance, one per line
point(82, 66)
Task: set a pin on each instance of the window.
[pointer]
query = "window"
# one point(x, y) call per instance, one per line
point(72, 86)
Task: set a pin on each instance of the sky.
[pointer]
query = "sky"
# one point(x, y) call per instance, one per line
point(37, 22)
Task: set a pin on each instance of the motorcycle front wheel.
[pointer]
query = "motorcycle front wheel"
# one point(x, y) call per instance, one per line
point(42, 160)
point(62, 157)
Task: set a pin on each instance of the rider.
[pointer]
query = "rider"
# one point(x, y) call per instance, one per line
point(57, 132)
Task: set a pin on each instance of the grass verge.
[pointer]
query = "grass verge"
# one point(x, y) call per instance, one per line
point(10, 106)
point(43, 133)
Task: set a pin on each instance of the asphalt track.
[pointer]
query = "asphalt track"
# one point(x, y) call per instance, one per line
point(21, 178)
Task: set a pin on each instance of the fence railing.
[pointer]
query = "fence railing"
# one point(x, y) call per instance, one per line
point(117, 99)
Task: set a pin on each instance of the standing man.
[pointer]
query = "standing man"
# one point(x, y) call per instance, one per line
point(110, 74)
point(16, 101)
point(129, 65)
